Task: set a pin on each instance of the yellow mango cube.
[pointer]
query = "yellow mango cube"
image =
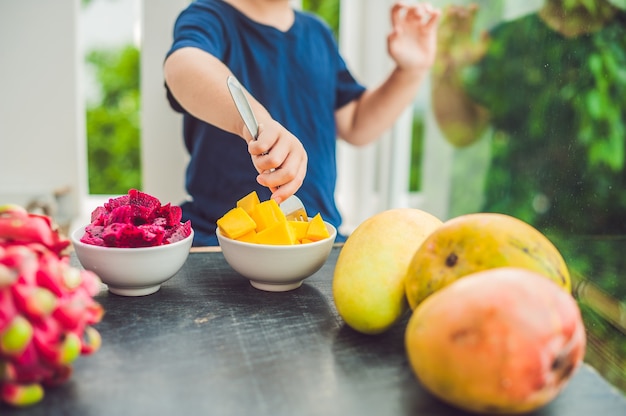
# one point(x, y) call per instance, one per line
point(248, 237)
point(280, 233)
point(299, 228)
point(317, 229)
point(266, 214)
point(236, 223)
point(278, 213)
point(249, 201)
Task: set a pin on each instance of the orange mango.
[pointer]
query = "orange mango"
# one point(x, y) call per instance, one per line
point(236, 223)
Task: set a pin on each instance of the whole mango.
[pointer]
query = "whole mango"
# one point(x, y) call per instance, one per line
point(504, 340)
point(481, 241)
point(368, 282)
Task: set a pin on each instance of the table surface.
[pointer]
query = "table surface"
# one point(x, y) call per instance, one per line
point(209, 343)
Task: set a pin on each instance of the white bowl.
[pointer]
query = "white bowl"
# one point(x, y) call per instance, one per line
point(276, 268)
point(132, 271)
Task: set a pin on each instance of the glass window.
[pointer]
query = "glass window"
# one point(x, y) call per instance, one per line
point(532, 98)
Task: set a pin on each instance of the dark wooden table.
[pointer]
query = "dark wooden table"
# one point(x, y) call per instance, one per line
point(208, 343)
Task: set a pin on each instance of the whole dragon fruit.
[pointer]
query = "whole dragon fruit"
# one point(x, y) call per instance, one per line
point(46, 307)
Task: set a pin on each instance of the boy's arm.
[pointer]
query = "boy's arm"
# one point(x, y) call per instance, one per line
point(412, 45)
point(197, 80)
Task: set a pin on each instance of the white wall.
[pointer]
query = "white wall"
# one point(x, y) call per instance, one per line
point(163, 155)
point(42, 128)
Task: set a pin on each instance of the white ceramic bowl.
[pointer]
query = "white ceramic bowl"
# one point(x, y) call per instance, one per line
point(132, 271)
point(276, 268)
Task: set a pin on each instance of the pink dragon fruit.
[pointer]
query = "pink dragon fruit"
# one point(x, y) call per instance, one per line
point(135, 220)
point(46, 307)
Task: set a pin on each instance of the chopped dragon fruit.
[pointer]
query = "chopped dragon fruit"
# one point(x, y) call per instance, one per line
point(135, 220)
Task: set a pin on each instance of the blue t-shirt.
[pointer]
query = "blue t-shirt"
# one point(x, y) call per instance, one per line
point(300, 78)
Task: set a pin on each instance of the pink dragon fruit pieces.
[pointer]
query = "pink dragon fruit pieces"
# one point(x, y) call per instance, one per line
point(178, 232)
point(135, 220)
point(172, 214)
point(139, 198)
point(47, 310)
point(116, 202)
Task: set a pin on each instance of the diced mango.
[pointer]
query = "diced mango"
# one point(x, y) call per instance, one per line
point(249, 201)
point(236, 223)
point(299, 228)
point(317, 229)
point(266, 214)
point(248, 237)
point(278, 213)
point(280, 233)
point(264, 222)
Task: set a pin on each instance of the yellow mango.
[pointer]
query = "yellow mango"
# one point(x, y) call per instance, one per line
point(236, 223)
point(299, 228)
point(248, 237)
point(481, 241)
point(266, 214)
point(280, 233)
point(317, 229)
point(278, 213)
point(249, 201)
point(369, 277)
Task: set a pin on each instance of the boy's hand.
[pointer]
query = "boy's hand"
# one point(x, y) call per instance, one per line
point(412, 43)
point(280, 159)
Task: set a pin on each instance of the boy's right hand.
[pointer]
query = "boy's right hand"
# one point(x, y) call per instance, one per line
point(279, 157)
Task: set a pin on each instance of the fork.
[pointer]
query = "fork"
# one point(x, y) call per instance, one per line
point(292, 207)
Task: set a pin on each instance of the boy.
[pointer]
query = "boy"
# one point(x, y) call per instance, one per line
point(301, 92)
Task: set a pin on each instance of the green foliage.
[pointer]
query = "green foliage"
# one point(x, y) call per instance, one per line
point(417, 153)
point(326, 9)
point(621, 4)
point(113, 130)
point(602, 105)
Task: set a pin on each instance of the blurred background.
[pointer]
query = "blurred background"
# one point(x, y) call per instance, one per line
point(524, 113)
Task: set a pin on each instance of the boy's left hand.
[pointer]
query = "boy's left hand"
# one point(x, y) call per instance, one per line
point(413, 41)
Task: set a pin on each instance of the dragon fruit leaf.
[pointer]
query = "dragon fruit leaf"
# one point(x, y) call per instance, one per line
point(16, 336)
point(13, 210)
point(69, 312)
point(48, 280)
point(71, 278)
point(7, 275)
point(33, 228)
point(34, 301)
point(21, 395)
point(91, 283)
point(7, 371)
point(47, 340)
point(70, 348)
point(8, 311)
point(92, 340)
